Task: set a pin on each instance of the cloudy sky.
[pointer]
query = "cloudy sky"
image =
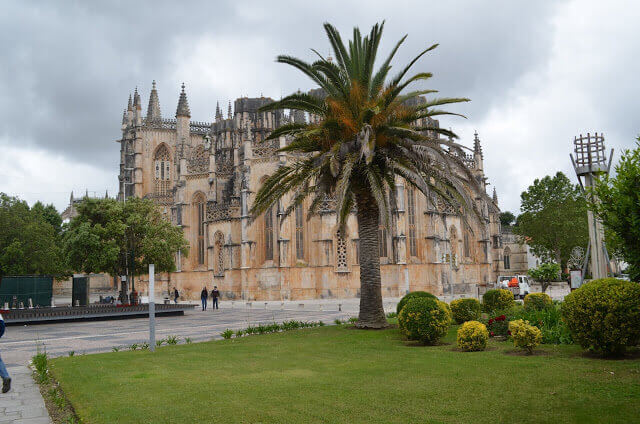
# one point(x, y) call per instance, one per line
point(538, 73)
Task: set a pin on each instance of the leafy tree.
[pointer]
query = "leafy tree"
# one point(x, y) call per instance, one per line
point(545, 274)
point(368, 131)
point(507, 218)
point(122, 238)
point(553, 219)
point(50, 214)
point(28, 242)
point(619, 209)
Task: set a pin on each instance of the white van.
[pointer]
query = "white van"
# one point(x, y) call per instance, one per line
point(516, 284)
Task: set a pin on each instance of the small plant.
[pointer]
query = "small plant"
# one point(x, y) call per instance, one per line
point(320, 324)
point(226, 334)
point(537, 301)
point(159, 342)
point(392, 315)
point(472, 336)
point(497, 300)
point(525, 336)
point(239, 334)
point(41, 363)
point(72, 352)
point(464, 310)
point(115, 349)
point(172, 340)
point(498, 326)
point(144, 346)
point(187, 340)
point(133, 346)
point(353, 320)
point(410, 296)
point(338, 321)
point(424, 319)
point(57, 398)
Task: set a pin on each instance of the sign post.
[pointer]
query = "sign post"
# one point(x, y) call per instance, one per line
point(152, 309)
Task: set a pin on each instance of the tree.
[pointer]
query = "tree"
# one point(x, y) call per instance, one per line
point(121, 238)
point(28, 242)
point(618, 207)
point(545, 274)
point(507, 218)
point(368, 133)
point(553, 219)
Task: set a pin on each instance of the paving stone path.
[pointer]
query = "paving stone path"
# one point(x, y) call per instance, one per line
point(23, 404)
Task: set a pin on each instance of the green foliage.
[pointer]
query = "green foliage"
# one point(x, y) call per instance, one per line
point(507, 218)
point(548, 320)
point(424, 319)
point(537, 301)
point(545, 274)
point(604, 315)
point(133, 346)
point(144, 346)
point(106, 234)
point(554, 218)
point(227, 334)
point(115, 349)
point(72, 352)
point(29, 239)
point(497, 300)
point(525, 336)
point(619, 209)
point(463, 310)
point(472, 336)
point(159, 342)
point(392, 315)
point(410, 296)
point(187, 340)
point(40, 362)
point(338, 321)
point(172, 340)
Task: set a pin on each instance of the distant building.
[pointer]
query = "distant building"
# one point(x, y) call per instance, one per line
point(516, 257)
point(71, 211)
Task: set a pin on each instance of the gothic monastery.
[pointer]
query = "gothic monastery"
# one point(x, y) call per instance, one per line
point(204, 177)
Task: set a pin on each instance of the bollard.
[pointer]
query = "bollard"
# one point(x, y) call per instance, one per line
point(30, 303)
point(339, 307)
point(77, 303)
point(300, 305)
point(21, 305)
point(6, 305)
point(265, 305)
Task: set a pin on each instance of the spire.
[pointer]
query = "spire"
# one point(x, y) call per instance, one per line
point(86, 193)
point(218, 111)
point(229, 111)
point(477, 148)
point(129, 105)
point(71, 198)
point(153, 111)
point(106, 194)
point(124, 117)
point(183, 105)
point(136, 99)
point(495, 196)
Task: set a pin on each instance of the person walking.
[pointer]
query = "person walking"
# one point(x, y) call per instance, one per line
point(203, 297)
point(6, 380)
point(176, 295)
point(215, 294)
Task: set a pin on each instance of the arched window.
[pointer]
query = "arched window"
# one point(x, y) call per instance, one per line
point(382, 240)
point(199, 161)
point(411, 219)
point(162, 171)
point(199, 219)
point(268, 234)
point(299, 232)
point(506, 258)
point(219, 252)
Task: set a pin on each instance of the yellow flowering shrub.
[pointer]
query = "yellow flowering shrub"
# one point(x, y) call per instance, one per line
point(472, 336)
point(497, 300)
point(525, 336)
point(537, 301)
point(604, 315)
point(410, 296)
point(424, 319)
point(464, 310)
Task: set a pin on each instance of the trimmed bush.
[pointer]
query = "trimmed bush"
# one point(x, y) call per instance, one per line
point(497, 300)
point(537, 301)
point(525, 336)
point(464, 310)
point(412, 295)
point(604, 315)
point(446, 306)
point(424, 319)
point(472, 336)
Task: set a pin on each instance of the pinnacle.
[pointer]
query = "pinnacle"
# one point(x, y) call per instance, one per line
point(153, 111)
point(183, 105)
point(477, 148)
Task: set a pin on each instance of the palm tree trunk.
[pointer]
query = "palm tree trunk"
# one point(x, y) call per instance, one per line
point(371, 310)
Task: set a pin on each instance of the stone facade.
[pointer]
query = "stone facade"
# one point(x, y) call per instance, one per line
point(204, 177)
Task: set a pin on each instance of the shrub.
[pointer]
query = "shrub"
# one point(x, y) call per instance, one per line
point(472, 336)
point(424, 319)
point(172, 340)
point(226, 334)
point(392, 315)
point(410, 296)
point(41, 364)
point(525, 336)
point(446, 306)
point(464, 310)
point(604, 315)
point(537, 301)
point(497, 299)
point(498, 326)
point(548, 320)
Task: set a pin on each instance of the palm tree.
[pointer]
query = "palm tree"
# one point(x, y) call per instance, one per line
point(367, 135)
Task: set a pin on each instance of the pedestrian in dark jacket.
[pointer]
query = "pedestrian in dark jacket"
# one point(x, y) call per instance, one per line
point(215, 294)
point(6, 380)
point(203, 297)
point(176, 295)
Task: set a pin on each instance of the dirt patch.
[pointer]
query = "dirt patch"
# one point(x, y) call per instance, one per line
point(57, 404)
point(631, 354)
point(518, 352)
point(414, 343)
point(389, 327)
point(487, 349)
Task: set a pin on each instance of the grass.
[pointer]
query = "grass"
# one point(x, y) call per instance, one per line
point(340, 375)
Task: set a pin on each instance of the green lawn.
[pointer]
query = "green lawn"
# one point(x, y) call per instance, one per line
point(340, 375)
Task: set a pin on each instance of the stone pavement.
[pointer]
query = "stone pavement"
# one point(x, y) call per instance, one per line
point(23, 404)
